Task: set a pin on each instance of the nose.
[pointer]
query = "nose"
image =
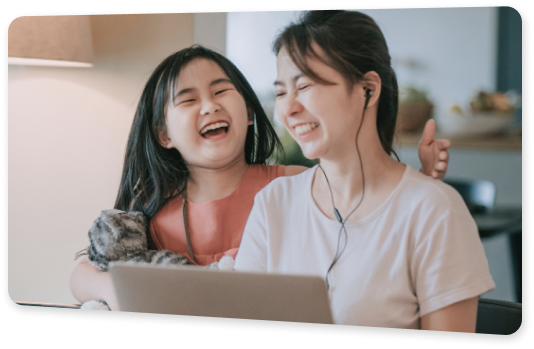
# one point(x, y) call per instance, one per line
point(209, 106)
point(290, 106)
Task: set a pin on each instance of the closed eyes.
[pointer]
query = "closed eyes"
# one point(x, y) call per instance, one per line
point(300, 88)
point(187, 101)
point(193, 100)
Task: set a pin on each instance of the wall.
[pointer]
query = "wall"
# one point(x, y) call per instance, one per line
point(210, 30)
point(67, 134)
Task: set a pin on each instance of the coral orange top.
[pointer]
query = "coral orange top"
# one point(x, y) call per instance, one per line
point(215, 227)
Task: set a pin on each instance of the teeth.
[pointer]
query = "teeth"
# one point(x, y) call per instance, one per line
point(305, 128)
point(214, 126)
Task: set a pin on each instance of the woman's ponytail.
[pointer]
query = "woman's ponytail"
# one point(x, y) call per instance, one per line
point(388, 108)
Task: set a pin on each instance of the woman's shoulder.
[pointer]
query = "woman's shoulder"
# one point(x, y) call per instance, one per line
point(425, 190)
point(434, 207)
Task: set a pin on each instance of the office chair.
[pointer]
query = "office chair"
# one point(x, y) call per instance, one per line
point(498, 317)
point(479, 195)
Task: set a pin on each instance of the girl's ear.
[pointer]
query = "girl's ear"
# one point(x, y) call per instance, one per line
point(250, 113)
point(164, 140)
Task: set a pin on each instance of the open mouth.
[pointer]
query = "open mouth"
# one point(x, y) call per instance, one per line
point(215, 129)
point(305, 128)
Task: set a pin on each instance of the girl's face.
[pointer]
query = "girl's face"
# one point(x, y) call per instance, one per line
point(207, 119)
point(323, 119)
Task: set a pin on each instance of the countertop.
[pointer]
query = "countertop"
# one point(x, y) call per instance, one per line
point(502, 141)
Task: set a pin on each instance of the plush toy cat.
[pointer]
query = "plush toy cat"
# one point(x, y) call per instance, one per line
point(122, 236)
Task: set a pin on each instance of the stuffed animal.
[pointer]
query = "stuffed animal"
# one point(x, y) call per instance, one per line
point(122, 236)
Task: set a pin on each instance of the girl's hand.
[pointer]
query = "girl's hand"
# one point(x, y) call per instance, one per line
point(433, 154)
point(88, 283)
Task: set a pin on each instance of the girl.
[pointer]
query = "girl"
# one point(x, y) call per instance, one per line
point(397, 248)
point(197, 150)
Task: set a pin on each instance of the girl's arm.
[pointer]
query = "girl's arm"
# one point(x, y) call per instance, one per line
point(457, 317)
point(89, 283)
point(433, 153)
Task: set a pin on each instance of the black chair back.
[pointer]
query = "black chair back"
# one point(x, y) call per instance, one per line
point(479, 195)
point(498, 317)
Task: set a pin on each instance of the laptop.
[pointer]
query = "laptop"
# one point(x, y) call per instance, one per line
point(191, 290)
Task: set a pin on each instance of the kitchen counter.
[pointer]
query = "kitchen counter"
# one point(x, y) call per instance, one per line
point(503, 141)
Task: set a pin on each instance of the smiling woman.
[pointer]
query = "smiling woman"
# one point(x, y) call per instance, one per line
point(329, 101)
point(396, 248)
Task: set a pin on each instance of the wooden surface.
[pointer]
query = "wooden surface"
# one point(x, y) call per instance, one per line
point(510, 141)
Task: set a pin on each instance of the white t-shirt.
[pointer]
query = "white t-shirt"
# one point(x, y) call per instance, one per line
point(418, 252)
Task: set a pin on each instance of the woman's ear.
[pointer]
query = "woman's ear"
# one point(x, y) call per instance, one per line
point(372, 82)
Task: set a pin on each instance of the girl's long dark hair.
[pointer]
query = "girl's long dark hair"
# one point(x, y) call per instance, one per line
point(153, 174)
point(353, 44)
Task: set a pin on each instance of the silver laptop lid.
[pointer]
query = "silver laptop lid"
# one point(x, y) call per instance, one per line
point(190, 290)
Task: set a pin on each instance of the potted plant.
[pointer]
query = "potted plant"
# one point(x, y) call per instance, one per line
point(414, 109)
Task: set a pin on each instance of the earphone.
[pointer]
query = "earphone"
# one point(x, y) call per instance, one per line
point(368, 95)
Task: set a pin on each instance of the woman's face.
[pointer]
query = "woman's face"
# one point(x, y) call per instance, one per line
point(323, 119)
point(207, 120)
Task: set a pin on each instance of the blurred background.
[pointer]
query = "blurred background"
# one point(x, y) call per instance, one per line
point(68, 125)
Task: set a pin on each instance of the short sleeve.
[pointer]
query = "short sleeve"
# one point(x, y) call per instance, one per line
point(449, 264)
point(252, 255)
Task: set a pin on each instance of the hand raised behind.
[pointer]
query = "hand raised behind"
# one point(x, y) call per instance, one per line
point(433, 153)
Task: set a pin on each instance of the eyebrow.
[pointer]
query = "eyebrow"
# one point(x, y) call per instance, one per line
point(213, 83)
point(294, 79)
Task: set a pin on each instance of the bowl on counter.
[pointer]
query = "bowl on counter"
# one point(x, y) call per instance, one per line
point(474, 124)
point(413, 116)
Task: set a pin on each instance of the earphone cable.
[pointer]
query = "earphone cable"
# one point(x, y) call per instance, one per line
point(336, 212)
point(336, 256)
point(361, 163)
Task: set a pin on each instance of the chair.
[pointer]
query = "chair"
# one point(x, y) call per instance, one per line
point(498, 317)
point(479, 195)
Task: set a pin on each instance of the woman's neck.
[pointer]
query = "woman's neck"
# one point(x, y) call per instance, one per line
point(208, 184)
point(381, 175)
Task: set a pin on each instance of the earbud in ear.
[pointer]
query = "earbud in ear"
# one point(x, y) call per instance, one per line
point(368, 94)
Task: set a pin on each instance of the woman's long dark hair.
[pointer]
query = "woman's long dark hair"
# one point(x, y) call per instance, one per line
point(353, 44)
point(153, 174)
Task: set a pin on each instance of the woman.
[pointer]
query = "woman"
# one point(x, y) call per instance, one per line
point(397, 248)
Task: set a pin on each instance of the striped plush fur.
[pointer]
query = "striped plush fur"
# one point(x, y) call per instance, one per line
point(120, 236)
